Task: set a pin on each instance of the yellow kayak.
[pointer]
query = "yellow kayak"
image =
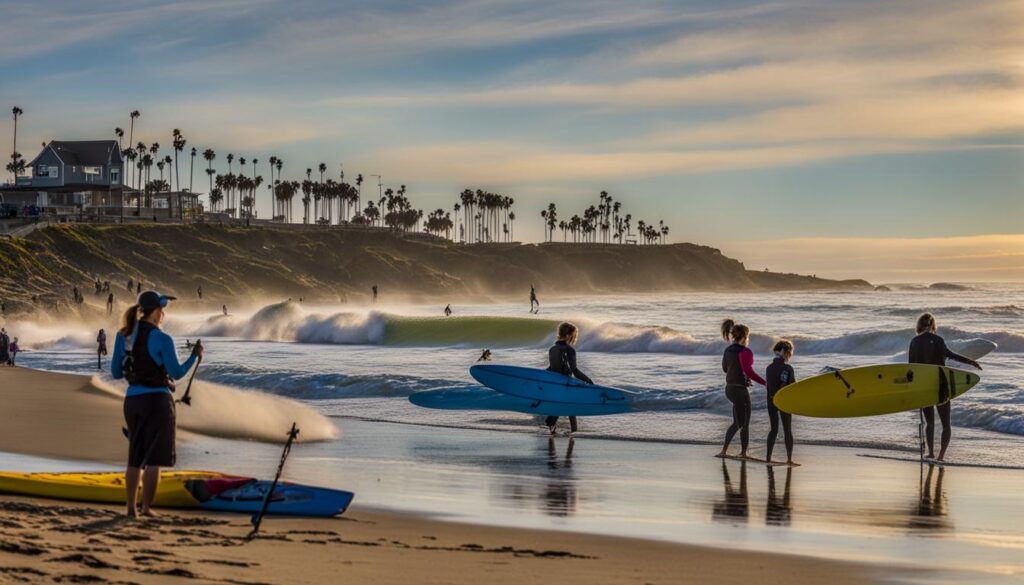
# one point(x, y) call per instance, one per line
point(106, 487)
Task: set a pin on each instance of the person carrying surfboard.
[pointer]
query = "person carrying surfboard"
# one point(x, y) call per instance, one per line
point(929, 348)
point(738, 365)
point(562, 359)
point(779, 375)
point(145, 356)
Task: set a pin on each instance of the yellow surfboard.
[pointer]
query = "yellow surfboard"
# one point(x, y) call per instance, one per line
point(874, 390)
point(102, 487)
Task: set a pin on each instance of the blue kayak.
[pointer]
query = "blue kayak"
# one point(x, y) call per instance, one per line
point(246, 496)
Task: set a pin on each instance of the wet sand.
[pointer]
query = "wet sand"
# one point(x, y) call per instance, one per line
point(46, 542)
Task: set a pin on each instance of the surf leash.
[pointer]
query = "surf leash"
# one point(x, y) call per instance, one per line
point(257, 519)
point(186, 398)
point(849, 389)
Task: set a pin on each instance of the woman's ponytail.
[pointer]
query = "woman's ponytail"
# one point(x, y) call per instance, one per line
point(128, 319)
point(727, 328)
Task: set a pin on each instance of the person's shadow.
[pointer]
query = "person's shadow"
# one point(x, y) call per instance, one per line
point(735, 506)
point(560, 493)
point(778, 510)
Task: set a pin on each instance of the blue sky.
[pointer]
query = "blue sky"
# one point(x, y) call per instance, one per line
point(734, 122)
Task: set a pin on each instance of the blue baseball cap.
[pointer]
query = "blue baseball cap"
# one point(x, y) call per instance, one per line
point(151, 299)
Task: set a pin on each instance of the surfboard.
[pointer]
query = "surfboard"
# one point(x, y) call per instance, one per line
point(756, 460)
point(492, 400)
point(974, 349)
point(873, 390)
point(551, 387)
point(184, 489)
point(940, 463)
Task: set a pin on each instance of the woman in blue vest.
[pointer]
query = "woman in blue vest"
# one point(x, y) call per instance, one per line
point(145, 356)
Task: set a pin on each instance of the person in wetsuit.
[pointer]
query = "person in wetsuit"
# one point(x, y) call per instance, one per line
point(929, 348)
point(779, 375)
point(562, 359)
point(150, 368)
point(534, 303)
point(738, 365)
point(101, 348)
point(448, 310)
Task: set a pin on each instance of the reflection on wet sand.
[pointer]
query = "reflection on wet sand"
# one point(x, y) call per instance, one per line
point(930, 512)
point(560, 495)
point(735, 506)
point(777, 511)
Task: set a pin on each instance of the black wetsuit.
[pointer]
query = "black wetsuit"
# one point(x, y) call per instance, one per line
point(736, 383)
point(562, 359)
point(779, 375)
point(929, 348)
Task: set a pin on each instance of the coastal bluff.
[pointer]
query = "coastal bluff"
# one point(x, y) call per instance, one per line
point(342, 264)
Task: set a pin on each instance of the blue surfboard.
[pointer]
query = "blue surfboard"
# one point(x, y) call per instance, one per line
point(288, 499)
point(542, 386)
point(487, 399)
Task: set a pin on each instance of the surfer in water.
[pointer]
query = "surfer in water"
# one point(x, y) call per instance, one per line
point(485, 356)
point(145, 356)
point(448, 310)
point(534, 303)
point(738, 365)
point(929, 348)
point(779, 375)
point(562, 359)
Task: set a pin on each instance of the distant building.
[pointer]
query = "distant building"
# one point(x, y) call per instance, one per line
point(86, 177)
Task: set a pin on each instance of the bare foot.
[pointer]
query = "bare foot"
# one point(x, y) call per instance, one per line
point(149, 513)
point(131, 514)
point(723, 453)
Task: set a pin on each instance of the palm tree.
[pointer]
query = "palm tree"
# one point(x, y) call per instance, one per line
point(17, 163)
point(178, 143)
point(131, 126)
point(120, 136)
point(209, 155)
point(191, 167)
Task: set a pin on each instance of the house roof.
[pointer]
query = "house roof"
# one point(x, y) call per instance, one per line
point(83, 152)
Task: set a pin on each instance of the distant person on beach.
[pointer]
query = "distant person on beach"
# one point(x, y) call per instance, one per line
point(374, 289)
point(448, 310)
point(188, 343)
point(101, 348)
point(485, 356)
point(225, 309)
point(110, 303)
point(779, 375)
point(13, 350)
point(199, 291)
point(5, 347)
point(145, 356)
point(131, 285)
point(138, 288)
point(562, 359)
point(929, 348)
point(738, 365)
point(533, 300)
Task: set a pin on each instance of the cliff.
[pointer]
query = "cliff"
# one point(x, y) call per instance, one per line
point(235, 263)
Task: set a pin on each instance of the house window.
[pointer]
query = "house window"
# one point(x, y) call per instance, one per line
point(115, 176)
point(92, 173)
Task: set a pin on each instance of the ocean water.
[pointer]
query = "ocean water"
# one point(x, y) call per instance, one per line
point(364, 362)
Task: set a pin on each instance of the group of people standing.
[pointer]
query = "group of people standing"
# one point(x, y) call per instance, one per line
point(8, 349)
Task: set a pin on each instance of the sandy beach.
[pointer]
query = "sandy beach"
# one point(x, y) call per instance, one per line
point(64, 416)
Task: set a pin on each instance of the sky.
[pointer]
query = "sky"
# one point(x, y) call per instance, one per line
point(808, 136)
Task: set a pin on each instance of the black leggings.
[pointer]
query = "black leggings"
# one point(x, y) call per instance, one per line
point(551, 420)
point(740, 398)
point(929, 425)
point(787, 428)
